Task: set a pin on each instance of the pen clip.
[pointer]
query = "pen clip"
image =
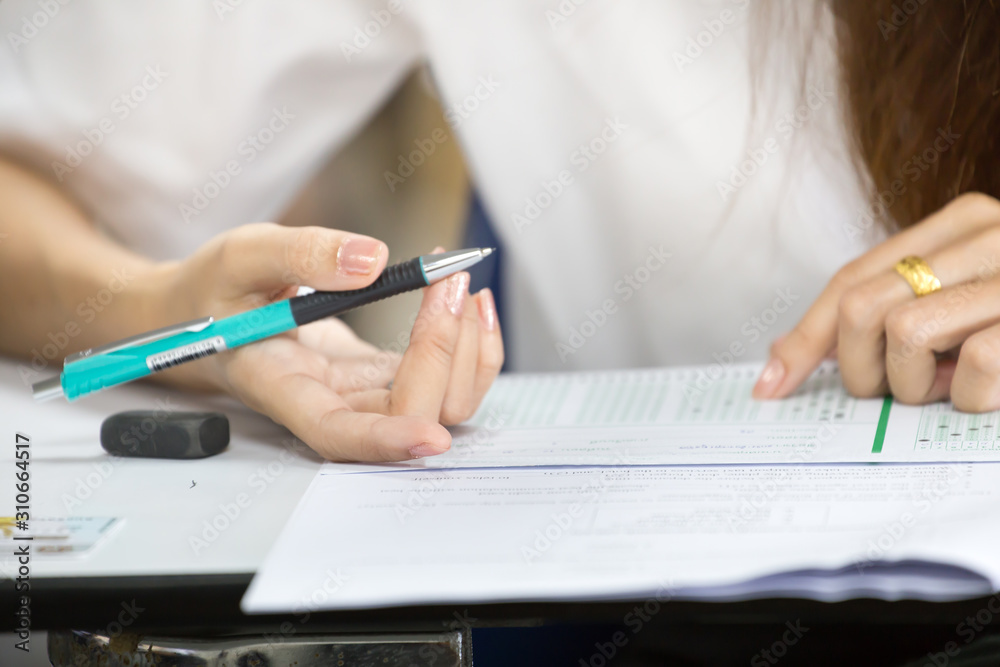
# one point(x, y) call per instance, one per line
point(140, 339)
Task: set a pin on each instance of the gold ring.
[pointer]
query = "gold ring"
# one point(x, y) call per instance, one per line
point(920, 277)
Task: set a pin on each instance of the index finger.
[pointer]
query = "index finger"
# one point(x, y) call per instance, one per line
point(796, 356)
point(422, 380)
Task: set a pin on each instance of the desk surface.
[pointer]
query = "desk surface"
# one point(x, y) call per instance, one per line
point(166, 507)
point(183, 585)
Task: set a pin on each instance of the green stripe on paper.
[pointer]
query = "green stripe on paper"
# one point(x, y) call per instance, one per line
point(883, 421)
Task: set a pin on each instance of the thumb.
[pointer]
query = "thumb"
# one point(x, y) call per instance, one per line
point(265, 257)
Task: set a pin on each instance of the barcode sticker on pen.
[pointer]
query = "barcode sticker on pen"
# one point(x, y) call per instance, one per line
point(179, 355)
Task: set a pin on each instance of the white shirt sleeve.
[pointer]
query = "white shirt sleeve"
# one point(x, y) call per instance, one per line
point(155, 117)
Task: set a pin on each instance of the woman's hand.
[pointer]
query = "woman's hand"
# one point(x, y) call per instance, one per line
point(323, 383)
point(945, 344)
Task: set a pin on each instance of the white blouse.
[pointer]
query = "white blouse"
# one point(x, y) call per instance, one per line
point(645, 219)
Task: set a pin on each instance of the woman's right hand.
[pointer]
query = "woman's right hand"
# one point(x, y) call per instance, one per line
point(321, 381)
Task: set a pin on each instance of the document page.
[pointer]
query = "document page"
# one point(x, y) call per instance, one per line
point(710, 532)
point(938, 432)
point(703, 415)
point(666, 482)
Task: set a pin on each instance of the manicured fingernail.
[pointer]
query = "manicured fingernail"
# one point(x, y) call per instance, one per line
point(359, 256)
point(455, 292)
point(487, 309)
point(426, 449)
point(770, 379)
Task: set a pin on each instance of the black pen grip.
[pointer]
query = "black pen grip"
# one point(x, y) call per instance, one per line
point(396, 279)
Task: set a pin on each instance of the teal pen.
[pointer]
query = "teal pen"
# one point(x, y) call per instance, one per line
point(136, 357)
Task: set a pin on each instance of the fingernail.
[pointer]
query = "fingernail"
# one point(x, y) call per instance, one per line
point(358, 255)
point(455, 291)
point(770, 379)
point(487, 309)
point(426, 449)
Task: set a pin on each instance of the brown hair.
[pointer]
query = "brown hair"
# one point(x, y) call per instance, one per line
point(917, 75)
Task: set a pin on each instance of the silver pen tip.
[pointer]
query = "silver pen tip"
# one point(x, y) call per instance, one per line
point(47, 389)
point(442, 265)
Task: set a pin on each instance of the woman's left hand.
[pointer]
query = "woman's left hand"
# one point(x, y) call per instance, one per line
point(943, 345)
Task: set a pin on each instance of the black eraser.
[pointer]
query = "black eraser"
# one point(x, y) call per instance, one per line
point(165, 435)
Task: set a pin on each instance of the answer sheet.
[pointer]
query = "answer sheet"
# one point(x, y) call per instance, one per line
point(656, 483)
point(708, 532)
point(704, 414)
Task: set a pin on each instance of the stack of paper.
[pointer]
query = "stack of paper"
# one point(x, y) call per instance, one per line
point(664, 483)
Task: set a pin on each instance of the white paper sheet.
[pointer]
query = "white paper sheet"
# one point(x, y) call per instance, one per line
point(708, 532)
point(667, 482)
point(695, 415)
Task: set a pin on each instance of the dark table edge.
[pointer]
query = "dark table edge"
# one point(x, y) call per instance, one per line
point(204, 605)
